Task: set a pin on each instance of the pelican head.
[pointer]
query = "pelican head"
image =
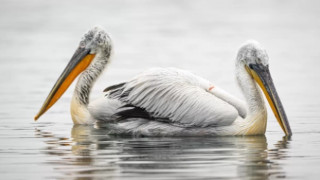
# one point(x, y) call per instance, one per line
point(93, 52)
point(96, 41)
point(254, 59)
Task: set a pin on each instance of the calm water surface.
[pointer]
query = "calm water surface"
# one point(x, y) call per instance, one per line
point(37, 38)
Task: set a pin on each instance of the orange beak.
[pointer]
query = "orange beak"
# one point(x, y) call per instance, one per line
point(261, 75)
point(78, 63)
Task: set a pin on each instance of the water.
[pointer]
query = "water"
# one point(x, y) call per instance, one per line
point(38, 38)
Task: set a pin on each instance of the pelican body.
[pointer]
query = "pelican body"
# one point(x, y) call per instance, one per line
point(169, 101)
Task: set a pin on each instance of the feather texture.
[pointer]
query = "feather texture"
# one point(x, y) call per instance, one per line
point(177, 95)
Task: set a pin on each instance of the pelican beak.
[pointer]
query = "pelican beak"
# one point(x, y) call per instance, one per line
point(261, 75)
point(78, 63)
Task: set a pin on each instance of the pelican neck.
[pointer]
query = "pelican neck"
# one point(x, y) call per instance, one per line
point(250, 90)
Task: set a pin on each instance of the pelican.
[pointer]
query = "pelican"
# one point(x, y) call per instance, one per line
point(169, 101)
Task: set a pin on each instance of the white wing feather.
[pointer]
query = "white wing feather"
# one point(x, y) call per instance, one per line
point(179, 96)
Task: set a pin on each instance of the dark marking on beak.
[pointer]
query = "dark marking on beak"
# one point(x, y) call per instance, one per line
point(262, 76)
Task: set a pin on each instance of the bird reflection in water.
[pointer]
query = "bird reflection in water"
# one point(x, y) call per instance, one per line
point(91, 154)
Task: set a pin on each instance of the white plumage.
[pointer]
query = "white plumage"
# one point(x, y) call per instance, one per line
point(179, 96)
point(169, 101)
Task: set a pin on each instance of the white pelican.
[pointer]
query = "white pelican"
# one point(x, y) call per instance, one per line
point(169, 101)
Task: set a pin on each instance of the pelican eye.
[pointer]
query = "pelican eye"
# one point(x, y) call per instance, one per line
point(82, 44)
point(258, 61)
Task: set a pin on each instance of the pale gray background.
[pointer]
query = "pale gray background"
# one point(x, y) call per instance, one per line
point(37, 38)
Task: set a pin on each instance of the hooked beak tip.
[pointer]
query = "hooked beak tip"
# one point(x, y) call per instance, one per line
point(289, 134)
point(36, 118)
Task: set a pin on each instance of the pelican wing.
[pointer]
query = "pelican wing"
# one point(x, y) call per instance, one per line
point(177, 96)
